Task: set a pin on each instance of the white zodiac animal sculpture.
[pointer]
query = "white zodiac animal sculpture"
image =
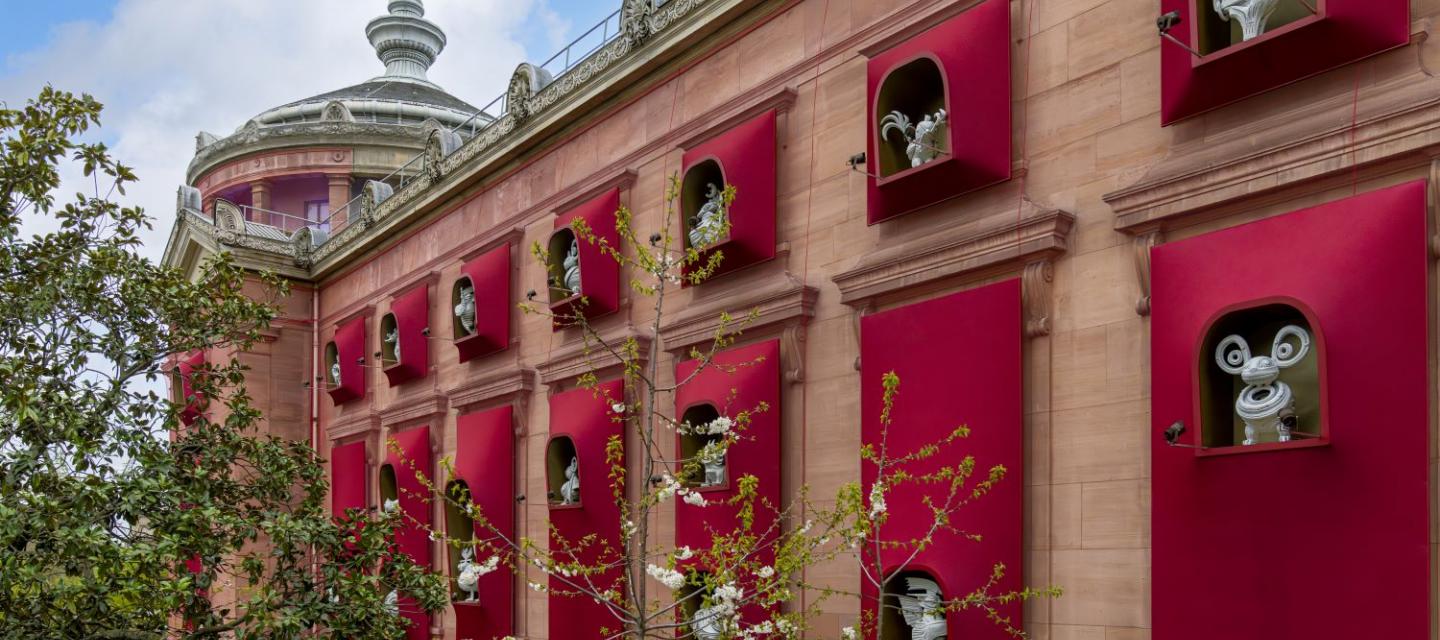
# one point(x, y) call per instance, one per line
point(1264, 397)
point(468, 574)
point(1251, 14)
point(714, 471)
point(391, 505)
point(708, 623)
point(709, 222)
point(921, 606)
point(393, 339)
point(572, 268)
point(335, 373)
point(922, 139)
point(465, 311)
point(570, 491)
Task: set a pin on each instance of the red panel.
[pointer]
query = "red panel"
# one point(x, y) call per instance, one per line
point(350, 349)
point(1259, 540)
point(587, 420)
point(973, 52)
point(414, 446)
point(412, 318)
point(490, 275)
point(485, 459)
point(193, 405)
point(755, 379)
point(1348, 31)
point(599, 273)
point(348, 478)
point(958, 359)
point(746, 155)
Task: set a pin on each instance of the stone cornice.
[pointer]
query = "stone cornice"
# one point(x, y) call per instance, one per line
point(508, 385)
point(725, 117)
point(778, 302)
point(622, 179)
point(1038, 234)
point(253, 139)
point(351, 423)
point(921, 20)
point(582, 356)
point(1309, 148)
point(416, 408)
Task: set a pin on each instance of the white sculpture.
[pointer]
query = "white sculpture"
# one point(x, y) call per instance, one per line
point(572, 268)
point(920, 605)
point(1264, 397)
point(714, 471)
point(392, 602)
point(709, 222)
point(393, 339)
point(922, 140)
point(468, 574)
point(570, 491)
point(1251, 14)
point(465, 311)
point(391, 505)
point(335, 372)
point(708, 623)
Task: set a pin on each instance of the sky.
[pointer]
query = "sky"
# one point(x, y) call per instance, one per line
point(168, 69)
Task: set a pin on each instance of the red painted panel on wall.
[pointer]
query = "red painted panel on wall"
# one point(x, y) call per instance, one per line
point(414, 445)
point(1255, 544)
point(193, 406)
point(973, 52)
point(350, 347)
point(412, 318)
point(739, 379)
point(588, 421)
point(490, 275)
point(1347, 31)
point(485, 460)
point(746, 155)
point(348, 478)
point(958, 359)
point(599, 273)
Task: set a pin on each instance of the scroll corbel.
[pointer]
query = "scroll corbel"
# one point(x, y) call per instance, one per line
point(1035, 286)
point(1142, 245)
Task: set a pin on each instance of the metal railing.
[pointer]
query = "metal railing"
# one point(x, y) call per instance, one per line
point(575, 53)
point(286, 222)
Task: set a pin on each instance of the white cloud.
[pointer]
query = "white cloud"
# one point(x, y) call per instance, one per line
point(166, 69)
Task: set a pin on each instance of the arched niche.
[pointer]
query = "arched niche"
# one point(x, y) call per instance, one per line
point(561, 242)
point(915, 90)
point(691, 598)
point(332, 365)
point(559, 454)
point(1214, 33)
point(459, 529)
point(390, 351)
point(462, 311)
point(903, 589)
point(695, 193)
point(389, 487)
point(692, 443)
point(1220, 389)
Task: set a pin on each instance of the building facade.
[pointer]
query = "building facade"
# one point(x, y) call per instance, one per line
point(1172, 264)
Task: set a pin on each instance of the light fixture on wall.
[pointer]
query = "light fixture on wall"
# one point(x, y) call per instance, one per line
point(858, 159)
point(1172, 435)
point(1169, 21)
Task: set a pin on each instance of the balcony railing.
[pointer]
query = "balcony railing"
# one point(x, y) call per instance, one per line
point(557, 65)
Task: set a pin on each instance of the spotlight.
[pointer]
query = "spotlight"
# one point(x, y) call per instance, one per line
point(1169, 21)
point(530, 295)
point(856, 160)
point(1172, 434)
point(655, 239)
point(425, 332)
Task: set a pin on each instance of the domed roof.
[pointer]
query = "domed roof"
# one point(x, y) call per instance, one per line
point(408, 44)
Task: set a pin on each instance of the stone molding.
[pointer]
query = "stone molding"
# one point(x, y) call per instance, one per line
point(414, 409)
point(725, 117)
point(254, 139)
point(352, 423)
point(587, 355)
point(510, 385)
point(782, 305)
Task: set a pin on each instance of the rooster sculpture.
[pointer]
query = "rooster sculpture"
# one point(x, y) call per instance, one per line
point(922, 139)
point(1251, 14)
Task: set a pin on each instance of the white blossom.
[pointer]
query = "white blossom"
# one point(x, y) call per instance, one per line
point(618, 407)
point(848, 633)
point(668, 486)
point(668, 577)
point(694, 498)
point(684, 553)
point(877, 500)
point(720, 426)
point(489, 566)
point(538, 588)
point(765, 571)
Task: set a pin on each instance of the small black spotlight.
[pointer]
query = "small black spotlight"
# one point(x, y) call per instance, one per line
point(1172, 435)
point(655, 239)
point(856, 160)
point(530, 295)
point(425, 332)
point(1167, 22)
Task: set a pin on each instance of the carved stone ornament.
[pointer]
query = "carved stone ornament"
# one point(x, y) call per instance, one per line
point(921, 607)
point(375, 192)
point(441, 143)
point(467, 575)
point(637, 20)
point(204, 139)
point(336, 111)
point(465, 310)
point(1251, 14)
point(1035, 286)
point(570, 490)
point(1143, 244)
point(228, 217)
point(187, 197)
point(527, 80)
point(707, 225)
point(924, 140)
point(1264, 398)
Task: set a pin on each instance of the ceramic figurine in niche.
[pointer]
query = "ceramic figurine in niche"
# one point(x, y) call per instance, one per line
point(920, 606)
point(335, 373)
point(465, 311)
point(571, 264)
point(570, 490)
point(714, 471)
point(393, 339)
point(391, 505)
point(1251, 14)
point(467, 574)
point(707, 623)
point(1264, 397)
point(392, 603)
point(709, 222)
point(922, 140)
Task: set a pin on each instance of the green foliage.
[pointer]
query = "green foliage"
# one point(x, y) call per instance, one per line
point(117, 521)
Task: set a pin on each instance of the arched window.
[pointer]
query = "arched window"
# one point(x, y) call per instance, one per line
point(700, 215)
point(389, 488)
point(911, 113)
point(460, 530)
point(462, 306)
point(1260, 378)
point(562, 472)
point(389, 341)
point(714, 473)
point(332, 365)
point(563, 266)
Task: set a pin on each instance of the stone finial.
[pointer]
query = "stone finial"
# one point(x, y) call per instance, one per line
point(405, 41)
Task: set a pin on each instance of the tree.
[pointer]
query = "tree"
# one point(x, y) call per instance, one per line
point(118, 518)
point(751, 577)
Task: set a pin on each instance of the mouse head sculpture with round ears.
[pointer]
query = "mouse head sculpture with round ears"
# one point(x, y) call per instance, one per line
point(1265, 398)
